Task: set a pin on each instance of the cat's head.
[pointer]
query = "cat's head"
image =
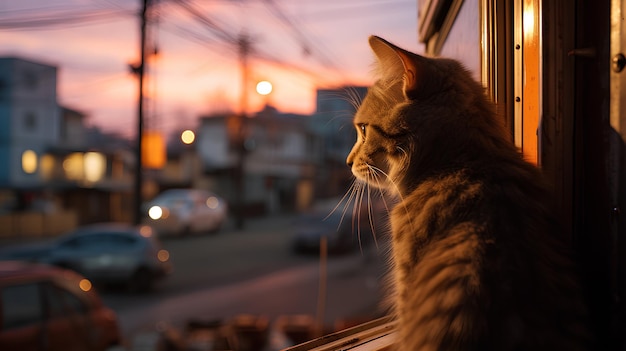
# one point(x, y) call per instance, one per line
point(420, 116)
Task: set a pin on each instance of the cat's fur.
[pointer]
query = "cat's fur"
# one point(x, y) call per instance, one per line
point(478, 259)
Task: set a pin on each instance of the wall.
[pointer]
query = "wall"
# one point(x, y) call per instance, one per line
point(36, 224)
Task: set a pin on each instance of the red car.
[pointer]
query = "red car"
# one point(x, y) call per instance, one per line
point(48, 308)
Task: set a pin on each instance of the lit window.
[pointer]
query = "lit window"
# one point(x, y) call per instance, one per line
point(73, 166)
point(29, 161)
point(95, 166)
point(46, 166)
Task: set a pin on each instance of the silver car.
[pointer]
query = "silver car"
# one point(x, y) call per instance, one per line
point(112, 253)
point(186, 211)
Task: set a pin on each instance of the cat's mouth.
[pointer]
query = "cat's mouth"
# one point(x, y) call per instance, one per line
point(371, 175)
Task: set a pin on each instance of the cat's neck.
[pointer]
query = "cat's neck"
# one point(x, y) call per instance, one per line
point(476, 165)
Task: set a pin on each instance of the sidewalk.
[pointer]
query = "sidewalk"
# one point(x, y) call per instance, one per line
point(347, 302)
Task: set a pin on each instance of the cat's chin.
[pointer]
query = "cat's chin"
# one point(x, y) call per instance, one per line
point(381, 184)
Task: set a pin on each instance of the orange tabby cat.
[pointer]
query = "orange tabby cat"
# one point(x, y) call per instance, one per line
point(478, 260)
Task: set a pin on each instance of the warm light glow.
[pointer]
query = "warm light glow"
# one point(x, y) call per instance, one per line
point(529, 19)
point(163, 255)
point(29, 161)
point(155, 212)
point(73, 166)
point(95, 166)
point(85, 285)
point(212, 202)
point(264, 87)
point(47, 166)
point(145, 231)
point(188, 137)
point(153, 151)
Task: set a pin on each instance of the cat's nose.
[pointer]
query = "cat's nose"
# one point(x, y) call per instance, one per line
point(350, 158)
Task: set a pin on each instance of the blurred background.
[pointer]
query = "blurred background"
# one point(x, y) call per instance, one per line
point(223, 126)
point(70, 72)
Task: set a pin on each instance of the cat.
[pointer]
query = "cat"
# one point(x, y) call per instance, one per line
point(478, 259)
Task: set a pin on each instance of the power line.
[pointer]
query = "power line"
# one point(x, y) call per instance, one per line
point(313, 46)
point(357, 11)
point(227, 38)
point(61, 19)
point(208, 22)
point(307, 45)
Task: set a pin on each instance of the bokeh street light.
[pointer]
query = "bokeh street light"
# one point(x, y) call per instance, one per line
point(264, 87)
point(187, 137)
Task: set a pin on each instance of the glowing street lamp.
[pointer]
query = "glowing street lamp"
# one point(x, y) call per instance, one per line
point(264, 87)
point(188, 137)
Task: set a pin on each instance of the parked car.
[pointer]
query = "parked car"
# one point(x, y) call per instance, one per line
point(341, 233)
point(29, 252)
point(112, 253)
point(49, 308)
point(186, 211)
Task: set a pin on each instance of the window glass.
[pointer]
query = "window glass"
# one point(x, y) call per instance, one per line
point(104, 240)
point(62, 303)
point(463, 41)
point(21, 305)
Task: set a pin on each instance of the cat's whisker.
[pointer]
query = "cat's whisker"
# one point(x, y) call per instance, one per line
point(347, 197)
point(370, 215)
point(384, 199)
point(341, 115)
point(356, 208)
point(403, 151)
point(354, 189)
point(348, 192)
point(353, 97)
point(397, 189)
point(376, 177)
point(357, 217)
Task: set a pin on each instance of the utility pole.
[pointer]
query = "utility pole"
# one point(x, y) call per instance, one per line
point(240, 144)
point(140, 70)
point(244, 51)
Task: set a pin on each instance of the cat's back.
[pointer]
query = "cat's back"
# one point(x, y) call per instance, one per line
point(478, 254)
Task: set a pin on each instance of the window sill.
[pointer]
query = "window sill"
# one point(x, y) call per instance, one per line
point(376, 335)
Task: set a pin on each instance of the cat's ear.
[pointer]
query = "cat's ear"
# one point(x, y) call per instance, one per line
point(395, 61)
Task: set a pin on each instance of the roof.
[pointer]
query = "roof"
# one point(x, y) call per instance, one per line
point(19, 269)
point(16, 58)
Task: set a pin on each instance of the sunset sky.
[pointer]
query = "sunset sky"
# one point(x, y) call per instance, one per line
point(298, 45)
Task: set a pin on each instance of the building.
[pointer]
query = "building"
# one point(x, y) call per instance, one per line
point(55, 172)
point(288, 160)
point(29, 120)
point(272, 150)
point(332, 126)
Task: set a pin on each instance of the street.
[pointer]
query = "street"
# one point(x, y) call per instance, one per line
point(252, 271)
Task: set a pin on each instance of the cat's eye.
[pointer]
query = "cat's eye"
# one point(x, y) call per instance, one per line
point(363, 130)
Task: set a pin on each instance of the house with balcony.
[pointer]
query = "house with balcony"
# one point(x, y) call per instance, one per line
point(29, 120)
point(55, 173)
